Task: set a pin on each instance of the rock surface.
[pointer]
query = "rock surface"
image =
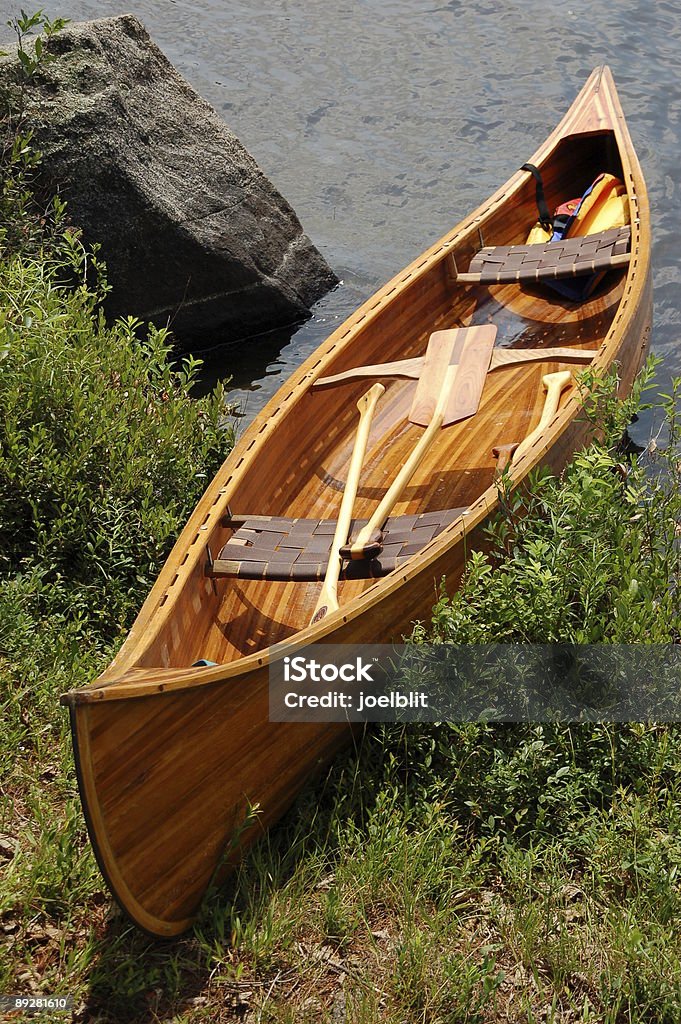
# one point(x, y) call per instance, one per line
point(192, 231)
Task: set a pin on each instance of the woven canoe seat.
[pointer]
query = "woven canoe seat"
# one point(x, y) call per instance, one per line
point(571, 257)
point(275, 548)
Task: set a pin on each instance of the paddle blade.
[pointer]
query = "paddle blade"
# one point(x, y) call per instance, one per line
point(470, 349)
point(444, 349)
point(464, 396)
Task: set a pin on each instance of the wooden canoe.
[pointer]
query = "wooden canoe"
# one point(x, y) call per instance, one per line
point(169, 757)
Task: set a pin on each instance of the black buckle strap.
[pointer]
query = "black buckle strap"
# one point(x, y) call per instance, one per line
point(545, 218)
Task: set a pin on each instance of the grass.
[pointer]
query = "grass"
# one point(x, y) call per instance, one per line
point(436, 874)
point(386, 897)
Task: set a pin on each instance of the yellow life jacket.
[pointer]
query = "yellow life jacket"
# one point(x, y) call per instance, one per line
point(604, 205)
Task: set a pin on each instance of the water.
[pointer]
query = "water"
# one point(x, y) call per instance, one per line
point(383, 123)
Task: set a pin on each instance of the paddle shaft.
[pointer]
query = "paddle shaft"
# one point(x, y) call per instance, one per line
point(328, 598)
point(367, 534)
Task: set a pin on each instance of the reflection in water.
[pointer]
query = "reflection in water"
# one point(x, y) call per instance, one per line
point(245, 360)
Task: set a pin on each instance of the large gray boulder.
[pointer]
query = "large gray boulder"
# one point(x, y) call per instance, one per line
point(191, 229)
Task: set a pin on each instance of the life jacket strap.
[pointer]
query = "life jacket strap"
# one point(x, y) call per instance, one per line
point(545, 218)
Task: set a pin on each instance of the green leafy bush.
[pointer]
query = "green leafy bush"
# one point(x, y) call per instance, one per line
point(102, 452)
point(590, 557)
point(593, 556)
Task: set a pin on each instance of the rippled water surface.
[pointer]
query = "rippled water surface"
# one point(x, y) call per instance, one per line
point(383, 123)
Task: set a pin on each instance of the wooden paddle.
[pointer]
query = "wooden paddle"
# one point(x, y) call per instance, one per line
point(555, 384)
point(328, 598)
point(446, 390)
point(411, 369)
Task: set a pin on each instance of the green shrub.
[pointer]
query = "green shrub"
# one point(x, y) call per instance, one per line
point(102, 452)
point(590, 557)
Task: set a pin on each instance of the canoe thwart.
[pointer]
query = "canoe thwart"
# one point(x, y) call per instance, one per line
point(570, 257)
point(412, 368)
point(277, 548)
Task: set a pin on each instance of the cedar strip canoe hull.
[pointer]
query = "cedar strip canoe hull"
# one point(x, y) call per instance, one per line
point(171, 758)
